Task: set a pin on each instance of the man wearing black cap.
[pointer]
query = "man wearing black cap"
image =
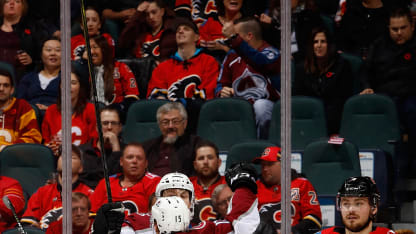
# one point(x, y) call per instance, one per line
point(189, 76)
point(357, 200)
point(18, 122)
point(305, 209)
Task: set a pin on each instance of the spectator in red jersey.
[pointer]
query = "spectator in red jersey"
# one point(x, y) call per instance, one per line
point(84, 124)
point(94, 24)
point(206, 165)
point(41, 88)
point(211, 29)
point(305, 209)
point(45, 205)
point(81, 221)
point(133, 186)
point(149, 34)
point(357, 200)
point(115, 82)
point(11, 188)
point(197, 10)
point(18, 122)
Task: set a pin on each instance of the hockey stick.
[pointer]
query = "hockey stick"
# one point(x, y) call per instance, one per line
point(95, 99)
point(10, 206)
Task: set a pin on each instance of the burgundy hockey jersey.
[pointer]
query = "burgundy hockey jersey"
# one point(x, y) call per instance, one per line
point(192, 78)
point(45, 205)
point(203, 208)
point(135, 199)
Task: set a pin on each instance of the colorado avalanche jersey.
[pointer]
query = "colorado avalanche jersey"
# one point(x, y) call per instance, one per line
point(341, 230)
point(45, 205)
point(84, 126)
point(249, 72)
point(203, 208)
point(177, 78)
point(135, 199)
point(304, 203)
point(242, 218)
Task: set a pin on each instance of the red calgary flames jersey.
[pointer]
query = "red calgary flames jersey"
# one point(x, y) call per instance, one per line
point(341, 230)
point(11, 188)
point(124, 82)
point(203, 207)
point(304, 205)
point(135, 199)
point(150, 46)
point(45, 205)
point(78, 44)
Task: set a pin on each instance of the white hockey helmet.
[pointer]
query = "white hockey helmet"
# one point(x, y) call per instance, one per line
point(176, 180)
point(171, 215)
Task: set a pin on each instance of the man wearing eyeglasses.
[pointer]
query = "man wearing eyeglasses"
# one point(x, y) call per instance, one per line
point(113, 146)
point(173, 150)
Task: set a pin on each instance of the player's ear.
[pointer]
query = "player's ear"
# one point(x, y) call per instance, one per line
point(374, 210)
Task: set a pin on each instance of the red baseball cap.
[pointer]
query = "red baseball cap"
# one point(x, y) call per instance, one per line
point(271, 154)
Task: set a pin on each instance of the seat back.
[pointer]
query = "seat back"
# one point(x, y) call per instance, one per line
point(370, 121)
point(142, 69)
point(308, 122)
point(327, 165)
point(226, 121)
point(30, 164)
point(356, 63)
point(28, 230)
point(141, 123)
point(246, 152)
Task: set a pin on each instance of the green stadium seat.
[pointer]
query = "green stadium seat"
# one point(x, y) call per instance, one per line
point(227, 121)
point(30, 164)
point(356, 62)
point(246, 152)
point(308, 122)
point(141, 123)
point(370, 121)
point(327, 166)
point(28, 230)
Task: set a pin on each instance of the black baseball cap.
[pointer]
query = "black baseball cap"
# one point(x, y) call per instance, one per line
point(187, 22)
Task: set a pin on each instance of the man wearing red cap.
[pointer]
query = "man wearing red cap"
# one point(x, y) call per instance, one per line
point(305, 209)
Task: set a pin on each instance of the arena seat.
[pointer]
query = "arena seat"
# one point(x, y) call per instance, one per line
point(356, 62)
point(328, 165)
point(141, 123)
point(370, 121)
point(246, 152)
point(28, 230)
point(30, 164)
point(308, 122)
point(227, 121)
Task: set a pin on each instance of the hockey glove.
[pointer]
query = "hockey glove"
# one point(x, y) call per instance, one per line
point(242, 175)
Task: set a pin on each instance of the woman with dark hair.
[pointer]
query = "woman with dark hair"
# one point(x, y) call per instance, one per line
point(20, 37)
point(94, 24)
point(211, 30)
point(41, 88)
point(150, 32)
point(84, 123)
point(325, 75)
point(116, 84)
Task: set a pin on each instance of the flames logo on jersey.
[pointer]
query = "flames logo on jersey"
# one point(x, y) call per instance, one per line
point(130, 207)
point(273, 213)
point(151, 48)
point(50, 217)
point(204, 211)
point(203, 9)
point(186, 87)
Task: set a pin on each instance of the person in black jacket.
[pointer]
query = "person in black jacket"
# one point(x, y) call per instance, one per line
point(173, 150)
point(325, 75)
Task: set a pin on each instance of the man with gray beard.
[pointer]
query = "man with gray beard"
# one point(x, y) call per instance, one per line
point(173, 150)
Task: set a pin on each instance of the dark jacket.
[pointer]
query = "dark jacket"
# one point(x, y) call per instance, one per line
point(182, 158)
point(333, 87)
point(30, 90)
point(390, 68)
